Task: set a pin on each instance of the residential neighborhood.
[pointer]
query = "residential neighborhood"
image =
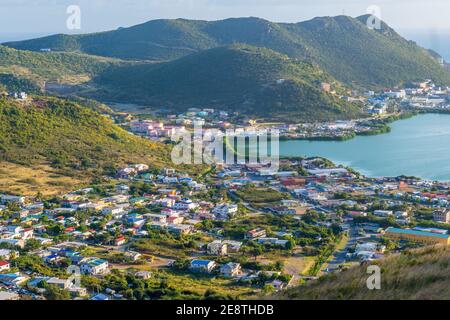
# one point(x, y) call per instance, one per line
point(236, 226)
point(380, 109)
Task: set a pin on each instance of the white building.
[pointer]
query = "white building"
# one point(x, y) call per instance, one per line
point(230, 269)
point(383, 213)
point(114, 211)
point(185, 205)
point(226, 210)
point(396, 94)
point(206, 266)
point(217, 248)
point(94, 266)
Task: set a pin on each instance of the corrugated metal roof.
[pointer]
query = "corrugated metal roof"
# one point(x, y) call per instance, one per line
point(417, 233)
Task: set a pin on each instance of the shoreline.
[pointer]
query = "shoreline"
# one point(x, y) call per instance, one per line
point(383, 128)
point(359, 164)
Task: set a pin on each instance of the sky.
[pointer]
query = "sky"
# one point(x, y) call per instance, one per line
point(425, 21)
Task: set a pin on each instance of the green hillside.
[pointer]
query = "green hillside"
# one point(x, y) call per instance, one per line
point(237, 78)
point(343, 46)
point(11, 83)
point(356, 55)
point(155, 40)
point(72, 140)
point(70, 68)
point(411, 275)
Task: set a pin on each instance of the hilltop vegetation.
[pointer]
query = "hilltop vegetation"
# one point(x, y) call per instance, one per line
point(361, 57)
point(343, 46)
point(11, 83)
point(234, 78)
point(68, 140)
point(61, 67)
point(411, 275)
point(156, 40)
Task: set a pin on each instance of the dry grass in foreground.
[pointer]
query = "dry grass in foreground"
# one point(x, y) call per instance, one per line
point(29, 181)
point(422, 274)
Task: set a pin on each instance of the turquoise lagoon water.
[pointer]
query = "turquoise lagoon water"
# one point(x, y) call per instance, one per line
point(419, 146)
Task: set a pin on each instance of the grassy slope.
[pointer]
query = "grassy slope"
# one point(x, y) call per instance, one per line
point(155, 40)
point(236, 78)
point(62, 67)
point(343, 46)
point(28, 180)
point(63, 139)
point(418, 274)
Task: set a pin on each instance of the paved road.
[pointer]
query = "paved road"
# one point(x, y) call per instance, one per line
point(339, 257)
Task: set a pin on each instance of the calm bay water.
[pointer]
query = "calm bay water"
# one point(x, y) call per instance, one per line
point(419, 146)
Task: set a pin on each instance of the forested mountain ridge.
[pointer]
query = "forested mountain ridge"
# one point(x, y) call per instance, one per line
point(342, 46)
point(250, 80)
